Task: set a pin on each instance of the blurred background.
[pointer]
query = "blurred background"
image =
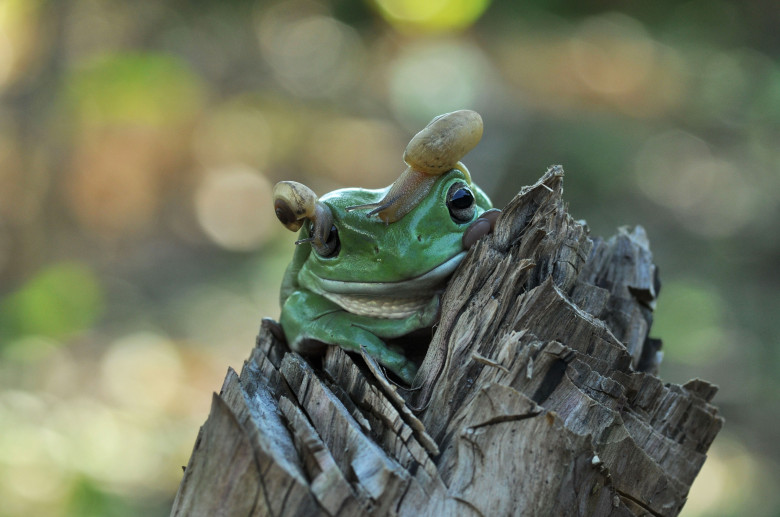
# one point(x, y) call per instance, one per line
point(138, 247)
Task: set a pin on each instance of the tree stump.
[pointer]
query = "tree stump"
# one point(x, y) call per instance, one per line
point(538, 395)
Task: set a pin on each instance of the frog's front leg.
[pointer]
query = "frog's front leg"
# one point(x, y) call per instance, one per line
point(308, 316)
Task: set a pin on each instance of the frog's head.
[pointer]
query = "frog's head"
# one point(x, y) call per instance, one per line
point(417, 229)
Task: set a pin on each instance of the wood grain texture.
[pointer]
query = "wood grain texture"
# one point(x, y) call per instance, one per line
point(538, 395)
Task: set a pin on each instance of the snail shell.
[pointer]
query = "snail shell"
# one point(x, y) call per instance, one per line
point(444, 141)
point(293, 202)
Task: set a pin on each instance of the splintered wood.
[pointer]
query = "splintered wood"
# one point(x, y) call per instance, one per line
point(538, 396)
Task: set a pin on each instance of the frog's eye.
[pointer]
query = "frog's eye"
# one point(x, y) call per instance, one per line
point(328, 247)
point(460, 202)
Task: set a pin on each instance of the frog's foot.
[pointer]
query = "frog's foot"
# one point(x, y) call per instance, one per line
point(404, 368)
point(481, 227)
point(391, 358)
point(407, 372)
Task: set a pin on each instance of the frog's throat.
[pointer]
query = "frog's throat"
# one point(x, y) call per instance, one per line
point(384, 299)
point(379, 306)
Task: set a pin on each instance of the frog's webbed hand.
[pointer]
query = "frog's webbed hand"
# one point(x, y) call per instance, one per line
point(433, 151)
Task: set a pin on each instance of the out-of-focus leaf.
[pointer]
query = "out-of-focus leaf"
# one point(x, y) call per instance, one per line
point(87, 500)
point(134, 88)
point(689, 317)
point(58, 302)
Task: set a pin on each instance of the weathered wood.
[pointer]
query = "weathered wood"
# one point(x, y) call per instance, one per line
point(538, 396)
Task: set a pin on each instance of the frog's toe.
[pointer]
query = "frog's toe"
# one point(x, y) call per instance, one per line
point(398, 364)
point(407, 372)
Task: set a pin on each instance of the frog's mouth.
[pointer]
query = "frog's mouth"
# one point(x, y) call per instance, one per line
point(392, 300)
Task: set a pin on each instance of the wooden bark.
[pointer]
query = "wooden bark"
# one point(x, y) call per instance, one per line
point(538, 396)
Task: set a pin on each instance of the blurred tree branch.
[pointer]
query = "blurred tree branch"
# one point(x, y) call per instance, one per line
point(31, 103)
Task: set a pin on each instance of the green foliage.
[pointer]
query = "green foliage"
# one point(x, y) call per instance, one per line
point(87, 499)
point(58, 302)
point(690, 318)
point(148, 88)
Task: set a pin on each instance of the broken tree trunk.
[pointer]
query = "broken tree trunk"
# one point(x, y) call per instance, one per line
point(537, 396)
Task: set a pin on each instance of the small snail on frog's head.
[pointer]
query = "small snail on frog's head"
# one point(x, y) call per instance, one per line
point(294, 203)
point(373, 278)
point(435, 150)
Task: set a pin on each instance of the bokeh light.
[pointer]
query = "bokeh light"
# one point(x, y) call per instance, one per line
point(709, 195)
point(238, 131)
point(433, 15)
point(355, 151)
point(726, 479)
point(437, 76)
point(311, 55)
point(19, 37)
point(227, 203)
point(142, 370)
point(612, 54)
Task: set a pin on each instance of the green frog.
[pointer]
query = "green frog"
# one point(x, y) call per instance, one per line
point(370, 265)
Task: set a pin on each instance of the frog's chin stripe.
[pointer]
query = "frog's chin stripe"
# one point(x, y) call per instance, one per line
point(413, 288)
point(380, 306)
point(391, 300)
